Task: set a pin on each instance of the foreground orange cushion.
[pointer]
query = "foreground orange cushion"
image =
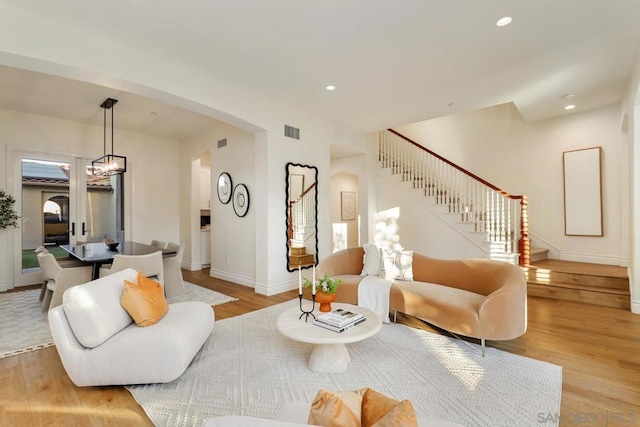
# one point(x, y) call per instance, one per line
point(336, 408)
point(379, 410)
point(144, 301)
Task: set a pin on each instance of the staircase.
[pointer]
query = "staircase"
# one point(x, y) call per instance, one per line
point(298, 256)
point(301, 228)
point(597, 284)
point(478, 207)
point(482, 209)
point(538, 254)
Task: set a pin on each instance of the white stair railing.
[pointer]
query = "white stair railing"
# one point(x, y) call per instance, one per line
point(301, 211)
point(502, 216)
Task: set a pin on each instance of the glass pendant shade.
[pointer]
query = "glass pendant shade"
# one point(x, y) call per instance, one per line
point(109, 164)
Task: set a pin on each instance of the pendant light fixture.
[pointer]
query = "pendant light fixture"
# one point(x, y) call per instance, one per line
point(109, 164)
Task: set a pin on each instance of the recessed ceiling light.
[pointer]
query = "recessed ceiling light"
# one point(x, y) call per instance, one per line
point(505, 20)
point(569, 107)
point(330, 87)
point(153, 113)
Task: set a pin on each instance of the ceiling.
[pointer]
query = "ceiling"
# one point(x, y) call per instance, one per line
point(393, 62)
point(66, 99)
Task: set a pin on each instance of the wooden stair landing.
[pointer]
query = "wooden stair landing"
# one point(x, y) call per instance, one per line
point(298, 256)
point(598, 284)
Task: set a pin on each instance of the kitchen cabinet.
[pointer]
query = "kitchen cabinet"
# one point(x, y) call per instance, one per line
point(205, 188)
point(205, 248)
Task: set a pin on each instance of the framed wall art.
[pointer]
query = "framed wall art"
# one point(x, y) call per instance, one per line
point(582, 176)
point(348, 205)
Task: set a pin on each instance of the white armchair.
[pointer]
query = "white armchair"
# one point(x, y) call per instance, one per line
point(99, 344)
point(173, 282)
point(59, 279)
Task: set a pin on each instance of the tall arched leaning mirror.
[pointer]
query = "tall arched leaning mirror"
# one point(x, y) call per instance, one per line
point(302, 216)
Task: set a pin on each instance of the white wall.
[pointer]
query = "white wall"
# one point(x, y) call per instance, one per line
point(152, 183)
point(103, 62)
point(232, 237)
point(33, 227)
point(526, 158)
point(630, 117)
point(339, 183)
point(406, 219)
point(363, 168)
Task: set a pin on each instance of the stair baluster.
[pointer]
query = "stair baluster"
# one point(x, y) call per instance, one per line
point(490, 209)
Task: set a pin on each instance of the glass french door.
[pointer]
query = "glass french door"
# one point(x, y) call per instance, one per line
point(60, 203)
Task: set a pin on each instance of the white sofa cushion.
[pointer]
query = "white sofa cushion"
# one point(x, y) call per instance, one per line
point(371, 260)
point(396, 264)
point(93, 309)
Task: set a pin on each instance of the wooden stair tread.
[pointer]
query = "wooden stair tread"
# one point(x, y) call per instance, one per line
point(583, 281)
point(580, 295)
point(597, 284)
point(584, 288)
point(583, 268)
point(297, 250)
point(302, 260)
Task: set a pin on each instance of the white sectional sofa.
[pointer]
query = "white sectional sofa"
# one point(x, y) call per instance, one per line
point(99, 343)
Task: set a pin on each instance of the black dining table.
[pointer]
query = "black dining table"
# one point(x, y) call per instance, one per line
point(98, 253)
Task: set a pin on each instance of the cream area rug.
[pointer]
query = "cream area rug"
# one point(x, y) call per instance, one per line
point(247, 367)
point(24, 327)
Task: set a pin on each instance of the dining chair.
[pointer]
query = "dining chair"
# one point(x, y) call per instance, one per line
point(150, 265)
point(59, 279)
point(173, 283)
point(43, 290)
point(159, 244)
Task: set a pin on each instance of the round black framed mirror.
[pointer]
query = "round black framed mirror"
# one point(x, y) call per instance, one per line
point(241, 200)
point(225, 188)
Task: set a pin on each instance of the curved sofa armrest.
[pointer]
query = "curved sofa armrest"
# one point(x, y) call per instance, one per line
point(347, 261)
point(503, 313)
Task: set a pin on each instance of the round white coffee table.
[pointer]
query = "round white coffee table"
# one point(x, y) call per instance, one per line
point(329, 354)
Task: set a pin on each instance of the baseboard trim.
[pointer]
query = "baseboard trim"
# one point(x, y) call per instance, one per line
point(276, 289)
point(635, 307)
point(595, 259)
point(260, 288)
point(4, 286)
point(234, 278)
point(191, 266)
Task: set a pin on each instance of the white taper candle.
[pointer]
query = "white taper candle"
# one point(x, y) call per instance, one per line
point(313, 277)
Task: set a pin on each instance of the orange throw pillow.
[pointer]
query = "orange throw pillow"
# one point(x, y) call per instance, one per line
point(336, 408)
point(144, 301)
point(379, 410)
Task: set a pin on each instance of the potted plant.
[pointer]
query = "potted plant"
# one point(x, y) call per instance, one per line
point(8, 216)
point(326, 288)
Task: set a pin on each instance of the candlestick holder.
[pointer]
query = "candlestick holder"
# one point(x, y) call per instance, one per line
point(308, 313)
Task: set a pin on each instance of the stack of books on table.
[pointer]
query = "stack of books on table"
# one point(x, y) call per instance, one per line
point(339, 320)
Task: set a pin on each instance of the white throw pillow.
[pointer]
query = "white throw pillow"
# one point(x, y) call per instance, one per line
point(371, 260)
point(396, 264)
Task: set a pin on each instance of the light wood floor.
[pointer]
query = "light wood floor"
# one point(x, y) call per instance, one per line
point(598, 348)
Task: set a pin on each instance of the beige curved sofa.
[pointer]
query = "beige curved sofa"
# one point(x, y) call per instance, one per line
point(477, 298)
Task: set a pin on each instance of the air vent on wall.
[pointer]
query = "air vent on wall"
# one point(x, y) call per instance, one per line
point(291, 132)
point(222, 143)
